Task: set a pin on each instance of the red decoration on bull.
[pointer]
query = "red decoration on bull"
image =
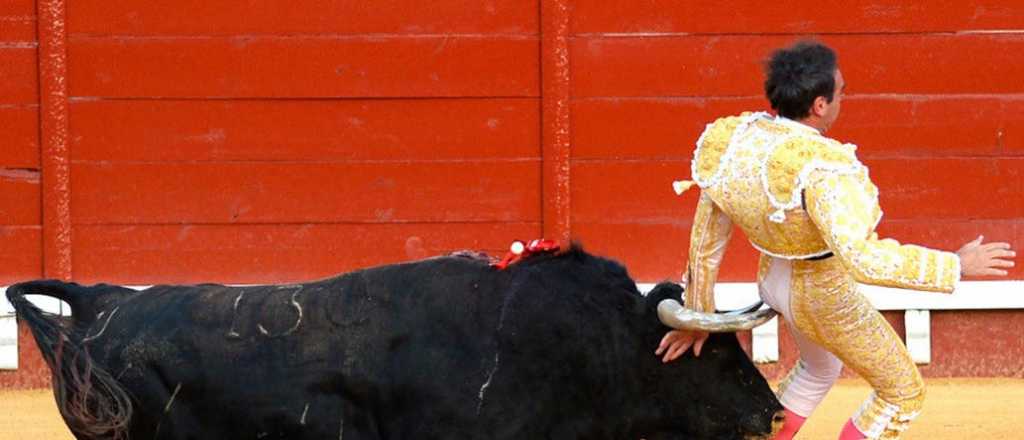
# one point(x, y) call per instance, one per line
point(520, 250)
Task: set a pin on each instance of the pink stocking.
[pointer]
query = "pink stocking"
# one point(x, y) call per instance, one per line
point(850, 432)
point(791, 426)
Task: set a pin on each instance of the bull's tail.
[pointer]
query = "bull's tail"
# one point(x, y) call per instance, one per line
point(92, 402)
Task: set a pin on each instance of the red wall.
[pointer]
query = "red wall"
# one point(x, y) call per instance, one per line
point(20, 218)
point(20, 213)
point(244, 145)
point(935, 106)
point(210, 141)
point(936, 109)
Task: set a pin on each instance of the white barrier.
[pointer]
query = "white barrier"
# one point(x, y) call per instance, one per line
point(8, 335)
point(970, 295)
point(9, 325)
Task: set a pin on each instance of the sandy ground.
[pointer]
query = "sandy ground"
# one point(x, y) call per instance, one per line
point(955, 409)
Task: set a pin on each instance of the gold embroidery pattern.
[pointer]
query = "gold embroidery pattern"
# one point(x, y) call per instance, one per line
point(708, 240)
point(710, 155)
point(754, 168)
point(845, 208)
point(791, 159)
point(829, 310)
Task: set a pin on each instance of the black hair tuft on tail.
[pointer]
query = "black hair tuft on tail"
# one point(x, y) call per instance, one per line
point(92, 402)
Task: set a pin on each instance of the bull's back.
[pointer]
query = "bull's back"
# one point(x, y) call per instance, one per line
point(396, 351)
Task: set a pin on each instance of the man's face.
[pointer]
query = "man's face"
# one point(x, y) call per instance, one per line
point(832, 108)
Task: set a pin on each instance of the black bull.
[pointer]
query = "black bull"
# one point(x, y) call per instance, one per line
point(556, 347)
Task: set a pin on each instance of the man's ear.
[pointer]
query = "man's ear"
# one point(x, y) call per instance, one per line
point(819, 106)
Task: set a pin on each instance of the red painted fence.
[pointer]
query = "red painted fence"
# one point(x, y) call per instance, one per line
point(221, 141)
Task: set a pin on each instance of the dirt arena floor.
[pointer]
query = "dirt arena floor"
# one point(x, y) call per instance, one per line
point(955, 409)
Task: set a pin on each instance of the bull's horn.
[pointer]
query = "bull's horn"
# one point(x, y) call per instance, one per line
point(751, 308)
point(674, 315)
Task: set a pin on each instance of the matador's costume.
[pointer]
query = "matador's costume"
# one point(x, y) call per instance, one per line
point(809, 206)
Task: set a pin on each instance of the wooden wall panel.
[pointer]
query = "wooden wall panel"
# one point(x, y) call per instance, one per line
point(310, 130)
point(264, 192)
point(999, 355)
point(1011, 134)
point(622, 191)
point(950, 189)
point(932, 102)
point(19, 132)
point(236, 120)
point(627, 207)
point(17, 20)
point(627, 210)
point(655, 251)
point(918, 189)
point(792, 16)
point(881, 126)
point(647, 128)
point(202, 17)
point(140, 254)
point(20, 83)
point(933, 126)
point(20, 236)
point(732, 65)
point(21, 259)
point(361, 66)
point(19, 197)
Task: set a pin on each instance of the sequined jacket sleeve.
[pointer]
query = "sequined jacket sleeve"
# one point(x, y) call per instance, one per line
point(708, 240)
point(845, 209)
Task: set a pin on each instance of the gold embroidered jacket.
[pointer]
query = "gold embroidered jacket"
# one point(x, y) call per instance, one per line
point(796, 194)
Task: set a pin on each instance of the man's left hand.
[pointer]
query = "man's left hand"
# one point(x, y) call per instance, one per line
point(676, 342)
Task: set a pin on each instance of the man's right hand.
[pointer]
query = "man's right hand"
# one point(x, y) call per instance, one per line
point(988, 259)
point(676, 342)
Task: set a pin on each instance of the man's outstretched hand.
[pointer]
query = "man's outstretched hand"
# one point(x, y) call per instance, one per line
point(985, 259)
point(676, 342)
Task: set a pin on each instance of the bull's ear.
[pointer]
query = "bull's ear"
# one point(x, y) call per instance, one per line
point(663, 291)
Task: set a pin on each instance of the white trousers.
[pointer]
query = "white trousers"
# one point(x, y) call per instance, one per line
point(818, 369)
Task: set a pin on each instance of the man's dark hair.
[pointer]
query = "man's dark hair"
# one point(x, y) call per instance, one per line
point(797, 75)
